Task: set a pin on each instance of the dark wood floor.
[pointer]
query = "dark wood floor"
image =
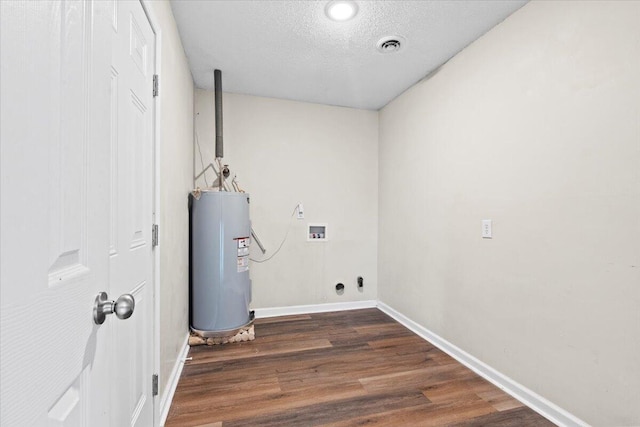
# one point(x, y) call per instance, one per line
point(337, 369)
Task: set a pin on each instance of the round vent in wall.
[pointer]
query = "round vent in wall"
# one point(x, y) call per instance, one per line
point(390, 44)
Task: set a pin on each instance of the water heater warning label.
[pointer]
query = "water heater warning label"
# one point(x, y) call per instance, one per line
point(243, 264)
point(243, 253)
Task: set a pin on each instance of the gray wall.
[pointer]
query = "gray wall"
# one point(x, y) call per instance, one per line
point(536, 126)
point(286, 152)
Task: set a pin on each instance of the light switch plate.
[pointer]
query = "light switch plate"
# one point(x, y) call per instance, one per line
point(486, 229)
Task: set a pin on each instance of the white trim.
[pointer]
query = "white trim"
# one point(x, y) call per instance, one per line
point(533, 400)
point(157, 118)
point(172, 383)
point(314, 308)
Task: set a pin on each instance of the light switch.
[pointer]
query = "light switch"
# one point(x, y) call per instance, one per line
point(486, 229)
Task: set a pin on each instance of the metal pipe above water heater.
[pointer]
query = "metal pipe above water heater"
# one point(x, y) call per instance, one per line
point(217, 81)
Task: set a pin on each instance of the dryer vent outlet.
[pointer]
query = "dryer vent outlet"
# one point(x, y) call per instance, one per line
point(340, 289)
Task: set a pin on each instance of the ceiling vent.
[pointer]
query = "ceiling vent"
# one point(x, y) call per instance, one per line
point(390, 44)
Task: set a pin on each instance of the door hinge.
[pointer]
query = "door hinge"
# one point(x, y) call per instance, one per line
point(154, 385)
point(154, 235)
point(155, 85)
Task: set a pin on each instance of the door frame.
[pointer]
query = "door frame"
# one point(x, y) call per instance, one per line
point(156, 140)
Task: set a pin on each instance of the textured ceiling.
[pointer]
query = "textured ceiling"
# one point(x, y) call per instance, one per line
point(291, 50)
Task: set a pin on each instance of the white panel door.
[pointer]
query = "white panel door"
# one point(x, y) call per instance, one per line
point(131, 211)
point(54, 210)
point(75, 212)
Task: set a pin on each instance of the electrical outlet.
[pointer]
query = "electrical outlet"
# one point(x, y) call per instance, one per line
point(300, 211)
point(486, 229)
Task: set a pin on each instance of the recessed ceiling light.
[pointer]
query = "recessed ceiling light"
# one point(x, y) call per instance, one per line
point(341, 10)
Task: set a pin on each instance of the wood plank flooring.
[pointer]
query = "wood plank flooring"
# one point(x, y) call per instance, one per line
point(344, 368)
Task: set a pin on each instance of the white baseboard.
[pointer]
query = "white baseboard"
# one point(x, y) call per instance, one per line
point(172, 384)
point(533, 400)
point(314, 308)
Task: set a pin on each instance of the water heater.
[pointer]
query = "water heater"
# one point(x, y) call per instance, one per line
point(220, 287)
